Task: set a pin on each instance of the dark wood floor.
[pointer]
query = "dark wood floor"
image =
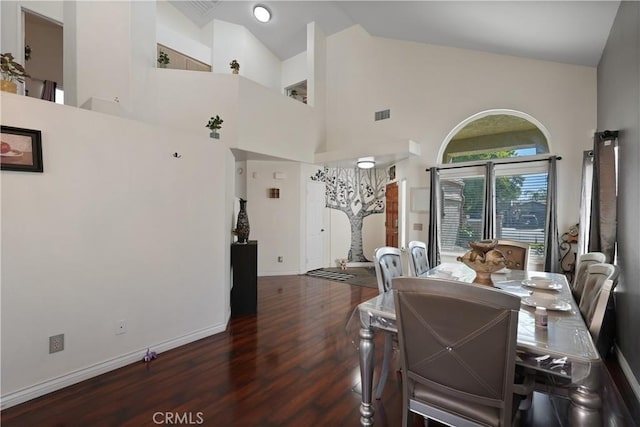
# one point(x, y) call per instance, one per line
point(293, 364)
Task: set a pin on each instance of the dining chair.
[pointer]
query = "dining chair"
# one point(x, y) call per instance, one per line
point(516, 253)
point(458, 370)
point(388, 265)
point(596, 275)
point(599, 309)
point(418, 262)
point(596, 305)
point(584, 261)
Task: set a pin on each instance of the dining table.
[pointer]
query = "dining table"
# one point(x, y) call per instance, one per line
point(564, 350)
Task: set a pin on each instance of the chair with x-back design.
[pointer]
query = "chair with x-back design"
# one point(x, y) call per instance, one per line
point(458, 370)
point(388, 265)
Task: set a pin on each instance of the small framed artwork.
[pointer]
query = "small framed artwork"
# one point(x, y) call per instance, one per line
point(21, 149)
point(392, 173)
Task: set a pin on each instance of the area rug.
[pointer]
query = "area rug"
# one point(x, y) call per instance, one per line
point(331, 275)
point(360, 276)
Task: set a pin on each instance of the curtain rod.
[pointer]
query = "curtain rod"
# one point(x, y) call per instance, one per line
point(607, 134)
point(499, 163)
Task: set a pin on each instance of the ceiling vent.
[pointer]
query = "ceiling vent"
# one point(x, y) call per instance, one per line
point(382, 115)
point(200, 12)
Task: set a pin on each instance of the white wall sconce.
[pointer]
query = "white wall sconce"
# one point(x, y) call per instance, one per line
point(366, 162)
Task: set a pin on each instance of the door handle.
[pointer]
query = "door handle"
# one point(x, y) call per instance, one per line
point(322, 229)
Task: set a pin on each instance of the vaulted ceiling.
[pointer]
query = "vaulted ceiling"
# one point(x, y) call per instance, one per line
point(572, 32)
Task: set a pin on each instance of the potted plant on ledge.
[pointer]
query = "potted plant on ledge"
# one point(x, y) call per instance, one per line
point(163, 59)
point(214, 124)
point(235, 66)
point(12, 72)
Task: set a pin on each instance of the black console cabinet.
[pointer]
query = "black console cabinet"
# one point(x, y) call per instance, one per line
point(244, 293)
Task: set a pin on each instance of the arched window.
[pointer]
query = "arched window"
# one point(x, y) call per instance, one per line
point(487, 148)
point(495, 134)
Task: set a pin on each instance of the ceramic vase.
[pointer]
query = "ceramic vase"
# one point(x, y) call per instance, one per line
point(242, 226)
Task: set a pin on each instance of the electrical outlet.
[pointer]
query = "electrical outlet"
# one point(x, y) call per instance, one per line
point(121, 327)
point(56, 343)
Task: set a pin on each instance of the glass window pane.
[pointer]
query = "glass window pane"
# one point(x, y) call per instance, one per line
point(521, 207)
point(462, 212)
point(495, 136)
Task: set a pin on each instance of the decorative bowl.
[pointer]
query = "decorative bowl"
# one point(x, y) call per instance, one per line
point(484, 260)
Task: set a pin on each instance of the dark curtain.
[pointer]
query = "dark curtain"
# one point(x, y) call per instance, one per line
point(551, 244)
point(49, 91)
point(488, 227)
point(433, 247)
point(602, 236)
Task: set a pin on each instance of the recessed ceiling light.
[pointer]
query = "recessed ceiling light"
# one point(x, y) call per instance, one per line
point(261, 13)
point(366, 162)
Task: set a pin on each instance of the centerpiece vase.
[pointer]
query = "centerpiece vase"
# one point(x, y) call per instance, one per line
point(242, 226)
point(484, 259)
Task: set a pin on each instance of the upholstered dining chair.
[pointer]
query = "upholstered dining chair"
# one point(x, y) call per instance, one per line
point(584, 261)
point(388, 265)
point(594, 303)
point(418, 262)
point(516, 253)
point(599, 308)
point(458, 370)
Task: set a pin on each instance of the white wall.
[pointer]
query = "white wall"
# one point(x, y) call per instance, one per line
point(241, 179)
point(231, 41)
point(172, 19)
point(176, 31)
point(115, 228)
point(275, 223)
point(430, 89)
point(274, 124)
point(99, 30)
point(294, 70)
point(317, 81)
point(187, 99)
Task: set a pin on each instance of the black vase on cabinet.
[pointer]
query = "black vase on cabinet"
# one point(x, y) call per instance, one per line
point(242, 226)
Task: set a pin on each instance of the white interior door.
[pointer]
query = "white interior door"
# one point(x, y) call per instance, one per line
point(315, 225)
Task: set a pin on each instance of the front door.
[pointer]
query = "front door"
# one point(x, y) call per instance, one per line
point(391, 221)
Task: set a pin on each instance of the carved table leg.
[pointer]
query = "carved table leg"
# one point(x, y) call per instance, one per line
point(585, 409)
point(586, 403)
point(366, 375)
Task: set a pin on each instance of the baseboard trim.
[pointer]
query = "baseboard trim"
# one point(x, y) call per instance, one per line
point(278, 273)
point(628, 373)
point(74, 377)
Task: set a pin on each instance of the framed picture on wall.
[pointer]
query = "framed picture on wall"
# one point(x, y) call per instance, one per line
point(21, 149)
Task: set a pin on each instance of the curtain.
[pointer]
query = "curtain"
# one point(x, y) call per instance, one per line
point(49, 91)
point(551, 244)
point(585, 204)
point(603, 204)
point(433, 248)
point(488, 227)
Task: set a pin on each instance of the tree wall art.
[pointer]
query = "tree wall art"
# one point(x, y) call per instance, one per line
point(358, 193)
